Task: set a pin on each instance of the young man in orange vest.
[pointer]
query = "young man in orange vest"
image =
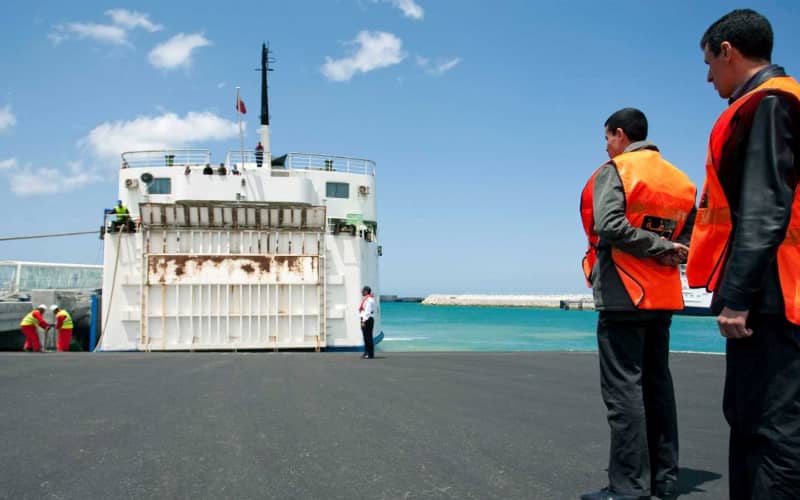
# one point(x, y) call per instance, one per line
point(637, 211)
point(746, 249)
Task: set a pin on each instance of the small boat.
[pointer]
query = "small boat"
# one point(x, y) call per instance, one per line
point(696, 301)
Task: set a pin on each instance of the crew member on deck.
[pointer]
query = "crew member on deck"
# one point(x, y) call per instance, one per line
point(259, 154)
point(637, 211)
point(28, 327)
point(367, 312)
point(63, 327)
point(123, 216)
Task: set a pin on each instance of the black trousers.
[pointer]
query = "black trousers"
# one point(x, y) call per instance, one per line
point(637, 390)
point(366, 331)
point(762, 407)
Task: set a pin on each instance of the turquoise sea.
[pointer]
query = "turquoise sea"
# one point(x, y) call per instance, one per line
point(415, 327)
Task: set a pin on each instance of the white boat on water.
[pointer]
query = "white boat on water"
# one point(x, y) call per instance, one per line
point(696, 301)
point(273, 257)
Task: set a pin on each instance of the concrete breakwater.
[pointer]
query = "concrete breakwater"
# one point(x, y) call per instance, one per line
point(565, 301)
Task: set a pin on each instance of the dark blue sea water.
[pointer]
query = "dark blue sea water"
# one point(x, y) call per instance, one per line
point(415, 327)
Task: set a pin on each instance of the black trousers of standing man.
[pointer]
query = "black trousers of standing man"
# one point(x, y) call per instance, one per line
point(366, 331)
point(637, 390)
point(762, 406)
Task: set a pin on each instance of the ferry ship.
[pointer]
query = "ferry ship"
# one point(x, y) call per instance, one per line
point(254, 253)
point(696, 301)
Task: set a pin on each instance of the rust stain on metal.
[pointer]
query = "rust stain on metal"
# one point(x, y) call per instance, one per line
point(293, 262)
point(159, 265)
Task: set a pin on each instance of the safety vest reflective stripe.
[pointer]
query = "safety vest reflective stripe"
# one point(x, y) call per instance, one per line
point(712, 229)
point(122, 212)
point(659, 198)
point(720, 215)
point(29, 319)
point(67, 324)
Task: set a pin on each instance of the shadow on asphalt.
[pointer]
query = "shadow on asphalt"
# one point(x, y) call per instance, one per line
point(690, 480)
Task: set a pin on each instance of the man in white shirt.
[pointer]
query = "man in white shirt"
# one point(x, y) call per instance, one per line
point(367, 312)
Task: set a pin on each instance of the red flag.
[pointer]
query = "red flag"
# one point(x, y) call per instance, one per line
point(240, 105)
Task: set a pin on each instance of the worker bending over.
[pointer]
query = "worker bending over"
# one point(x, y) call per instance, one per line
point(28, 327)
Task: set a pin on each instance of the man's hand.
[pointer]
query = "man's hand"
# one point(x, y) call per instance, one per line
point(675, 256)
point(732, 324)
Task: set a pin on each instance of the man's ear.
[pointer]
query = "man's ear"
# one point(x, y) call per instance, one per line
point(726, 50)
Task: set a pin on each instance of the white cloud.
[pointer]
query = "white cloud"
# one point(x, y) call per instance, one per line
point(374, 50)
point(439, 67)
point(177, 51)
point(108, 140)
point(122, 22)
point(131, 20)
point(6, 164)
point(7, 118)
point(51, 180)
point(100, 32)
point(57, 37)
point(410, 8)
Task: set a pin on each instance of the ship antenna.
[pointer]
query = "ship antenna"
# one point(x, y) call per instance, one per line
point(264, 130)
point(265, 60)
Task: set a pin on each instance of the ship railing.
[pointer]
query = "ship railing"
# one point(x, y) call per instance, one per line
point(166, 158)
point(329, 163)
point(242, 157)
point(112, 223)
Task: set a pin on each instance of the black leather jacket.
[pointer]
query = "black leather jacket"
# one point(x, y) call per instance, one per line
point(759, 172)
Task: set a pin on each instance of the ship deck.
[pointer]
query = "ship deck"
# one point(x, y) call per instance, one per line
point(307, 425)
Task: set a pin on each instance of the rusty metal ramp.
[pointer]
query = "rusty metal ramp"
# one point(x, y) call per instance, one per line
point(228, 276)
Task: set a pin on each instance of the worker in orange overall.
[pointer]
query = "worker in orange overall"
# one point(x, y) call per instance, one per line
point(64, 327)
point(28, 327)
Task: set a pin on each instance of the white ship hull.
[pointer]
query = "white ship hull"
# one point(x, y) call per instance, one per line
point(262, 260)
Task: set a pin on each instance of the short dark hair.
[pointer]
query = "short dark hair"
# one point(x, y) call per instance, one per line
point(631, 121)
point(745, 29)
point(366, 289)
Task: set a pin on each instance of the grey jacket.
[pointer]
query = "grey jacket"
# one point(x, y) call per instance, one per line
point(614, 230)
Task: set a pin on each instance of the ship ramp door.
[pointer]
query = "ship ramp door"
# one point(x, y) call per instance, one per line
point(225, 277)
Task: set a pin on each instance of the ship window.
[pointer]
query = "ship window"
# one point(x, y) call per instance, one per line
point(160, 185)
point(337, 190)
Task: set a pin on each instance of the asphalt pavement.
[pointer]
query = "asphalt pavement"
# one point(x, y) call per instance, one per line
point(330, 425)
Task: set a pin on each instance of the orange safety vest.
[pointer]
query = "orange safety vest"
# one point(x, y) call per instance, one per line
point(712, 228)
point(658, 198)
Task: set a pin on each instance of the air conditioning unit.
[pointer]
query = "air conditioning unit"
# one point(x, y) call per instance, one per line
point(131, 183)
point(363, 190)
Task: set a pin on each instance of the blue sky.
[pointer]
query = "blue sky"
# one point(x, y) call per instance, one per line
point(485, 118)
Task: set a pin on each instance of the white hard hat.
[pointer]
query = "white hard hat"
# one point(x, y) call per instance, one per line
point(42, 306)
point(53, 307)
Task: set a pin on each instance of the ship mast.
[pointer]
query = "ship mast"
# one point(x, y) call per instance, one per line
point(264, 130)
